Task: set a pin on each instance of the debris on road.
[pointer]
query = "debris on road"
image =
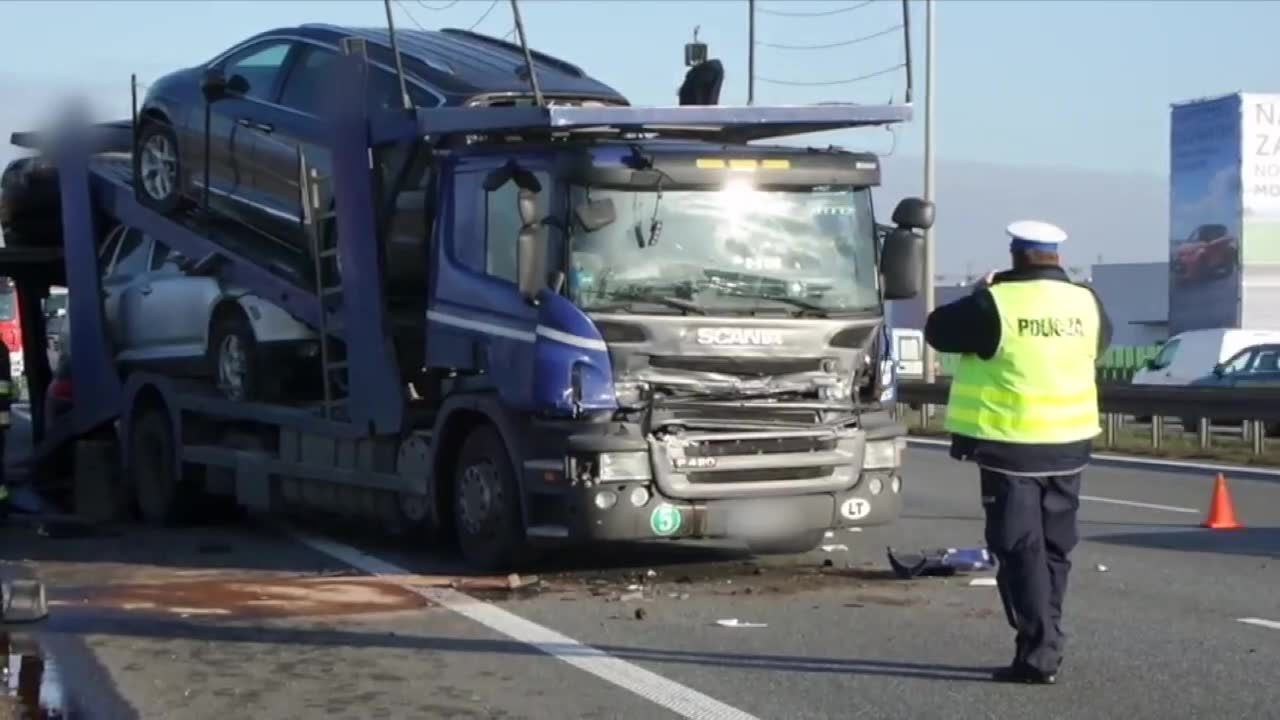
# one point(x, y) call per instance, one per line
point(640, 613)
point(23, 601)
point(736, 623)
point(835, 548)
point(983, 582)
point(1102, 568)
point(632, 596)
point(940, 562)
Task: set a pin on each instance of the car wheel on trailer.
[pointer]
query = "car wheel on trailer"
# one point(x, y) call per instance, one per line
point(801, 542)
point(233, 354)
point(157, 170)
point(486, 502)
point(163, 496)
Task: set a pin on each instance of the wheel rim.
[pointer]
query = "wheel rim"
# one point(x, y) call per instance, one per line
point(159, 167)
point(232, 366)
point(479, 499)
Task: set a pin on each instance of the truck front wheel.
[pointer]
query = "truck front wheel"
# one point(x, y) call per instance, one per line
point(486, 503)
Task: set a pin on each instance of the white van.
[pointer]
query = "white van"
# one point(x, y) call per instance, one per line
point(1193, 354)
point(908, 352)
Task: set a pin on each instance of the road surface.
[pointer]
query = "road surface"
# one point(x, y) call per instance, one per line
point(246, 620)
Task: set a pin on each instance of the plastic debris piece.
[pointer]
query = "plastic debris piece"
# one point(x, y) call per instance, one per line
point(1102, 568)
point(940, 562)
point(651, 574)
point(835, 548)
point(640, 613)
point(736, 623)
point(633, 587)
point(829, 534)
point(983, 582)
point(854, 529)
point(632, 596)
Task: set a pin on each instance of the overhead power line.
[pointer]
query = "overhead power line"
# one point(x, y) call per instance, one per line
point(818, 13)
point(827, 83)
point(828, 46)
point(476, 24)
point(409, 15)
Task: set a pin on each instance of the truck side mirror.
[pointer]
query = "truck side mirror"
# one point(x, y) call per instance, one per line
point(530, 253)
point(914, 214)
point(902, 263)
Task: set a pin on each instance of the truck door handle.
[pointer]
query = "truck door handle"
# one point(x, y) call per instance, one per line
point(261, 127)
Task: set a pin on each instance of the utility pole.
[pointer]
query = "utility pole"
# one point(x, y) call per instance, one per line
point(751, 52)
point(930, 85)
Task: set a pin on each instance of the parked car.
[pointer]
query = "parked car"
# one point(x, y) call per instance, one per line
point(1255, 366)
point(1209, 252)
point(159, 316)
point(1187, 356)
point(29, 203)
point(273, 86)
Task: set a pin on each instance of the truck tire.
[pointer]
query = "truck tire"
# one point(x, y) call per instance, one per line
point(157, 169)
point(164, 497)
point(801, 542)
point(486, 503)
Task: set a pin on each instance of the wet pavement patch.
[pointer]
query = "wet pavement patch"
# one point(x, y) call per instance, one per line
point(29, 680)
point(254, 598)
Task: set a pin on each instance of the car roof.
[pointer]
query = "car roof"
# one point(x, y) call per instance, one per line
point(464, 64)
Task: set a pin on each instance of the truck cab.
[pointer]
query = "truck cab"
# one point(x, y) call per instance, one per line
point(707, 331)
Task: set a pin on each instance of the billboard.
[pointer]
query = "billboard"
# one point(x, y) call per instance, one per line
point(1260, 252)
point(1205, 214)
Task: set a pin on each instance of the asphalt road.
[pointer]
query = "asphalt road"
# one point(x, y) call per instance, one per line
point(246, 620)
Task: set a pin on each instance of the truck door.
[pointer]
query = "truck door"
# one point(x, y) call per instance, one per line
point(478, 317)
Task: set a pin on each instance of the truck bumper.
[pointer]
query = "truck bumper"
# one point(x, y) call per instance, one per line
point(635, 511)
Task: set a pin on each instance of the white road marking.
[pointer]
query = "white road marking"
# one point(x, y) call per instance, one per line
point(1274, 625)
point(685, 702)
point(1134, 503)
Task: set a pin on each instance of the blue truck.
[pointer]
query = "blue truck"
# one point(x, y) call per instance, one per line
point(625, 324)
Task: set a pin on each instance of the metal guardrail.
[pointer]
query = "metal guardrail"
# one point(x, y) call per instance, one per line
point(1258, 409)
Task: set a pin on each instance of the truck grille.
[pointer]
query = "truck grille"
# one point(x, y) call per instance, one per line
point(740, 366)
point(766, 475)
point(761, 448)
point(758, 447)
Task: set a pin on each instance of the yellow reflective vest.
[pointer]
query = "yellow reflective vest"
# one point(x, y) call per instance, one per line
point(1041, 385)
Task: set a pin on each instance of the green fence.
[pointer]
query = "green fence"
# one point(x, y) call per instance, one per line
point(1116, 366)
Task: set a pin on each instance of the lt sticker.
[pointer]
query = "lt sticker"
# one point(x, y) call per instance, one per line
point(855, 509)
point(665, 521)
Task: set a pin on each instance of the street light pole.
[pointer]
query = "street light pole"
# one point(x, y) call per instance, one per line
point(930, 84)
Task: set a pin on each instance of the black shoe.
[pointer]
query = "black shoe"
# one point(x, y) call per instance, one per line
point(1025, 674)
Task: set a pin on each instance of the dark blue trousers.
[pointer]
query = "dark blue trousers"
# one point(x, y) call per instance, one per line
point(1031, 529)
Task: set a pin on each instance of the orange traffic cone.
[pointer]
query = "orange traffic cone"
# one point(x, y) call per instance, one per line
point(1222, 514)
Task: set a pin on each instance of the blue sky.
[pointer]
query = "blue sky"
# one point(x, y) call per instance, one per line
point(1078, 83)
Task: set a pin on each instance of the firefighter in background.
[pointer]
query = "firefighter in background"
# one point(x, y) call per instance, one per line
point(6, 402)
point(1024, 408)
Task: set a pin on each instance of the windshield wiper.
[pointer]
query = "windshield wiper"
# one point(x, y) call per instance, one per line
point(804, 305)
point(670, 301)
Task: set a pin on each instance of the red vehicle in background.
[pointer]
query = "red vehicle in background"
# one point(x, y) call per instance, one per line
point(10, 328)
point(1210, 252)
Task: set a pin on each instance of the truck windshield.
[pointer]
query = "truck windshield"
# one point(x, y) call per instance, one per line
point(734, 250)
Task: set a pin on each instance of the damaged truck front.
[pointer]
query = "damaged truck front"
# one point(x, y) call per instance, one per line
point(741, 386)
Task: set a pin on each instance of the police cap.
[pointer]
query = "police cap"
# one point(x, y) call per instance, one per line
point(1035, 235)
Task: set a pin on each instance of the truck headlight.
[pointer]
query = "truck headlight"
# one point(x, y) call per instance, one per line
point(622, 466)
point(883, 454)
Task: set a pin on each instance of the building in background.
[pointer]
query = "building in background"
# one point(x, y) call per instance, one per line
point(1137, 301)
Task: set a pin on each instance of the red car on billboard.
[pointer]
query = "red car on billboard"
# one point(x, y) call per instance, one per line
point(1209, 252)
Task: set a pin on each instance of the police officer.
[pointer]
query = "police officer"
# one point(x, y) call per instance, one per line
point(1024, 407)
